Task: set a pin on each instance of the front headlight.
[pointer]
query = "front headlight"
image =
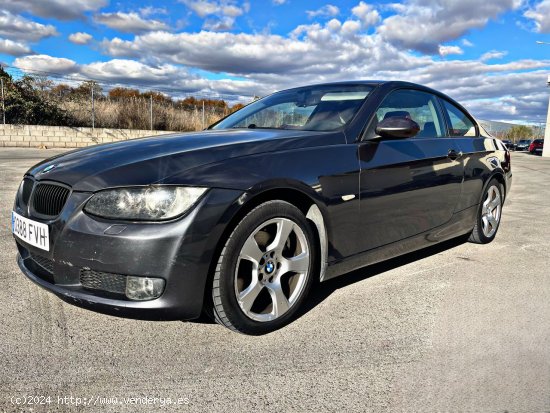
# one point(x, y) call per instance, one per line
point(143, 204)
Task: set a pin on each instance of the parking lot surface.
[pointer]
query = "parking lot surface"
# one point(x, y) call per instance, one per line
point(458, 327)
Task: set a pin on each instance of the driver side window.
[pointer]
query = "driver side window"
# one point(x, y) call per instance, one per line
point(418, 106)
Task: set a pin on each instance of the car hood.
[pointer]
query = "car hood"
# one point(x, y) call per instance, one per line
point(150, 160)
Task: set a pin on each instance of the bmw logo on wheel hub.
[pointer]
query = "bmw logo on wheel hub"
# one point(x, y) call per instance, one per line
point(269, 267)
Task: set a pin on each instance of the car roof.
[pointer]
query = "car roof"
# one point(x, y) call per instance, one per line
point(394, 83)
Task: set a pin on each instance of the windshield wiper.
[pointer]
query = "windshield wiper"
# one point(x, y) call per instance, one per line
point(253, 126)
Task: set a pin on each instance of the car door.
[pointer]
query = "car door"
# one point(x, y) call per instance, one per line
point(476, 149)
point(407, 186)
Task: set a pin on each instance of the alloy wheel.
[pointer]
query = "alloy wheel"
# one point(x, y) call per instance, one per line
point(272, 269)
point(491, 212)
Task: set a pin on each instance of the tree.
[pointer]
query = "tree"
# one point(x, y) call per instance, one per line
point(518, 132)
point(157, 97)
point(26, 103)
point(123, 93)
point(84, 90)
point(236, 107)
point(61, 90)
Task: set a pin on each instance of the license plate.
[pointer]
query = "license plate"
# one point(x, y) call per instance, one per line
point(32, 232)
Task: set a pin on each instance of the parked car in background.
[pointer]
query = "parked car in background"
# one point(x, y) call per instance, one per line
point(240, 220)
point(536, 147)
point(509, 144)
point(523, 145)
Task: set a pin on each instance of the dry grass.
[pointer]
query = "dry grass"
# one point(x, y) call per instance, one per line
point(135, 114)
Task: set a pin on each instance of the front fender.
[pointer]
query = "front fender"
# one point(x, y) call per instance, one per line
point(328, 175)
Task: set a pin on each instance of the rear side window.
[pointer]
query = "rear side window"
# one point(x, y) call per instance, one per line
point(419, 106)
point(460, 123)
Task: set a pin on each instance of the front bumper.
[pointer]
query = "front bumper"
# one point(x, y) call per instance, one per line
point(179, 251)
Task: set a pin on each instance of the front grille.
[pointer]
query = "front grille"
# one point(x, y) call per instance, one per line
point(43, 262)
point(49, 199)
point(104, 281)
point(26, 191)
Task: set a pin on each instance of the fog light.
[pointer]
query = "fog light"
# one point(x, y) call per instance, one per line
point(144, 288)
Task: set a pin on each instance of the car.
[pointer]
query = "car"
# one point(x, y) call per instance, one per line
point(536, 147)
point(523, 145)
point(241, 220)
point(509, 144)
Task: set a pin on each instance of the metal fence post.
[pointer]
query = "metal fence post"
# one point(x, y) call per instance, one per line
point(203, 118)
point(93, 108)
point(151, 109)
point(3, 104)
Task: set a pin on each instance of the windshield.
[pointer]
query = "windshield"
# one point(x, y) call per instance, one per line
point(315, 108)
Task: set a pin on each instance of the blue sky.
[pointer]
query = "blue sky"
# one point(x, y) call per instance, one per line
point(484, 54)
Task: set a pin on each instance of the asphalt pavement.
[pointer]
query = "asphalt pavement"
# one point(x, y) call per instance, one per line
point(455, 328)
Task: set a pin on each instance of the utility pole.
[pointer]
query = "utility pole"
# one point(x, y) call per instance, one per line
point(3, 104)
point(546, 147)
point(151, 109)
point(203, 118)
point(93, 108)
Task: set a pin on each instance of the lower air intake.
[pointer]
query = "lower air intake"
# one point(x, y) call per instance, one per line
point(103, 281)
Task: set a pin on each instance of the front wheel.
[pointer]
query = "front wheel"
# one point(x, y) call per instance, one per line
point(265, 269)
point(489, 214)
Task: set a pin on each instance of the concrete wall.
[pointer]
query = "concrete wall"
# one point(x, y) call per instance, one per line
point(35, 136)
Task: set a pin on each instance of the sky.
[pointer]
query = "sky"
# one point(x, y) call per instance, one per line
point(482, 53)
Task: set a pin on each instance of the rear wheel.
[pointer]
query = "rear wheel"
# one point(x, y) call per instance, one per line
point(265, 269)
point(489, 214)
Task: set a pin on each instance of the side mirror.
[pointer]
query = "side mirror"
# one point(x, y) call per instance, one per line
point(397, 128)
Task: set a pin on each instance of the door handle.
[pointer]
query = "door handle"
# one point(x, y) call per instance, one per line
point(453, 155)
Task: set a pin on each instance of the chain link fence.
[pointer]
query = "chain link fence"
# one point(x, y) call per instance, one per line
point(40, 98)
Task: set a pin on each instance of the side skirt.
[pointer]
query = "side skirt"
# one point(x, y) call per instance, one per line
point(461, 223)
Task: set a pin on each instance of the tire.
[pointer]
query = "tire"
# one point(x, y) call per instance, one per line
point(265, 270)
point(489, 214)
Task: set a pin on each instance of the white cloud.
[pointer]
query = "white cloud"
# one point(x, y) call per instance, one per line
point(46, 63)
point(278, 2)
point(493, 54)
point(221, 13)
point(12, 48)
point(58, 9)
point(367, 14)
point(467, 43)
point(129, 22)
point(205, 8)
point(219, 25)
point(80, 38)
point(334, 25)
point(447, 50)
point(118, 70)
point(423, 25)
point(350, 27)
point(20, 29)
point(327, 10)
point(540, 14)
point(151, 11)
